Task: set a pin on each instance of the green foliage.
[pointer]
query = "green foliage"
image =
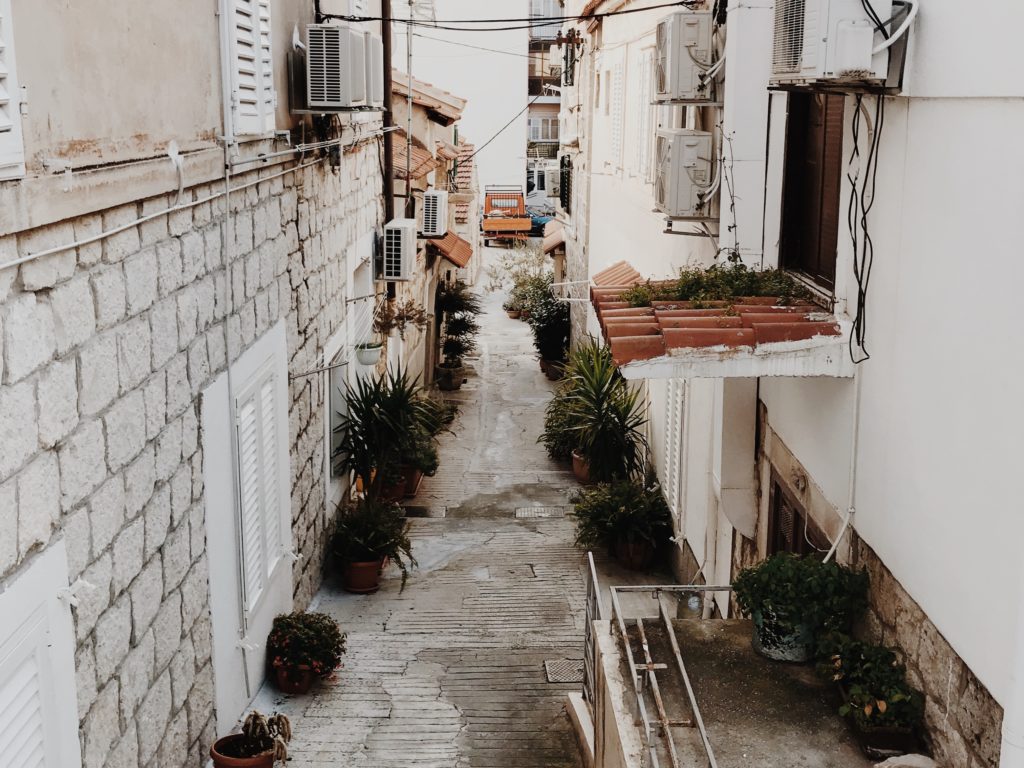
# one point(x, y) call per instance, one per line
point(370, 530)
point(549, 321)
point(625, 510)
point(803, 591)
point(606, 415)
point(559, 437)
point(387, 417)
point(719, 282)
point(875, 684)
point(459, 307)
point(306, 639)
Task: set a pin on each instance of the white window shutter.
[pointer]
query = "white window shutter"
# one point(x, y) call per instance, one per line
point(252, 72)
point(260, 483)
point(12, 148)
point(618, 112)
point(38, 705)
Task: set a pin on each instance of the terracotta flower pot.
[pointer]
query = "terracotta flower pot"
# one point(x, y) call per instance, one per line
point(413, 478)
point(544, 366)
point(293, 679)
point(362, 578)
point(513, 314)
point(554, 370)
point(580, 467)
point(634, 555)
point(448, 379)
point(223, 749)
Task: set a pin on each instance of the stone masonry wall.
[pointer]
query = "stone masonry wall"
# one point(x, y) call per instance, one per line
point(963, 721)
point(105, 351)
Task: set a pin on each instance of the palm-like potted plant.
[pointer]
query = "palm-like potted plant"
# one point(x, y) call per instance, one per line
point(628, 518)
point(302, 646)
point(794, 600)
point(262, 742)
point(458, 307)
point(367, 533)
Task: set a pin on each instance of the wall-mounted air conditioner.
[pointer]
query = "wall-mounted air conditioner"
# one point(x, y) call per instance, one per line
point(435, 213)
point(553, 182)
point(335, 67)
point(374, 70)
point(399, 250)
point(684, 52)
point(683, 171)
point(828, 40)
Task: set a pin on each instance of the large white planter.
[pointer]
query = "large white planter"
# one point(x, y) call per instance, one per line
point(368, 354)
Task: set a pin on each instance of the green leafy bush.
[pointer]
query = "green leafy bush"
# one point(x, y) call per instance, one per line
point(549, 321)
point(313, 640)
point(717, 283)
point(874, 682)
point(370, 530)
point(803, 591)
point(621, 511)
point(459, 307)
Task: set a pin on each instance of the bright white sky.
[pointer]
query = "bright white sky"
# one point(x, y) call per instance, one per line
point(495, 83)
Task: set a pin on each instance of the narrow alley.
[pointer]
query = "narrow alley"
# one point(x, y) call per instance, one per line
point(451, 672)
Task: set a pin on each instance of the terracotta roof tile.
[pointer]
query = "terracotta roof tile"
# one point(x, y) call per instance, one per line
point(620, 275)
point(454, 248)
point(464, 168)
point(422, 161)
point(553, 240)
point(462, 213)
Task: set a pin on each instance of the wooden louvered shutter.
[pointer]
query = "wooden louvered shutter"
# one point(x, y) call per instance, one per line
point(38, 708)
point(12, 149)
point(252, 75)
point(259, 483)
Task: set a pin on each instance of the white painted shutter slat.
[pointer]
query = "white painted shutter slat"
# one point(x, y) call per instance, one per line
point(618, 111)
point(253, 560)
point(268, 99)
point(12, 150)
point(252, 75)
point(270, 473)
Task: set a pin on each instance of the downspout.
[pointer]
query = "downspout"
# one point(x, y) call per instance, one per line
point(711, 531)
point(228, 140)
point(389, 117)
point(410, 205)
point(851, 496)
point(1011, 753)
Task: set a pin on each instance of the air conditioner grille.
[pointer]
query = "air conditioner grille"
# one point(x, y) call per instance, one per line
point(788, 46)
point(325, 64)
point(661, 58)
point(392, 253)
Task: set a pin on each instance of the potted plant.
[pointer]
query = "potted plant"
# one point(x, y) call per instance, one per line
point(368, 352)
point(549, 321)
point(365, 534)
point(459, 308)
point(400, 316)
point(627, 518)
point(885, 710)
point(262, 742)
point(512, 309)
point(607, 417)
point(302, 646)
point(793, 600)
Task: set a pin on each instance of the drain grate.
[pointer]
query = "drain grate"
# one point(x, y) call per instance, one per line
point(522, 512)
point(564, 671)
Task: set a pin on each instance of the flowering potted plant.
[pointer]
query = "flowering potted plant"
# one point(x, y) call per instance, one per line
point(301, 646)
point(262, 742)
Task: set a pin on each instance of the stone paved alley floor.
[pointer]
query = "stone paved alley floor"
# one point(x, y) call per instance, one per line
point(451, 672)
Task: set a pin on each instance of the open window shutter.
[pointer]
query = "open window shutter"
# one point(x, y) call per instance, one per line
point(12, 150)
point(271, 473)
point(618, 111)
point(268, 97)
point(38, 709)
point(252, 75)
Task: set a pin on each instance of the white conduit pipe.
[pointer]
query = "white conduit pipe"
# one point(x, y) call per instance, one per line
point(914, 7)
point(1011, 753)
point(189, 204)
point(851, 496)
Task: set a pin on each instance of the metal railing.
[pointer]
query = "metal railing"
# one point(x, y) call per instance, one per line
point(644, 674)
point(595, 612)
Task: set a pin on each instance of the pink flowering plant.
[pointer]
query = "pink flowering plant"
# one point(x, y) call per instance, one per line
point(311, 640)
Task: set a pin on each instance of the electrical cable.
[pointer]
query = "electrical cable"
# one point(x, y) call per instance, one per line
point(874, 17)
point(502, 129)
point(534, 57)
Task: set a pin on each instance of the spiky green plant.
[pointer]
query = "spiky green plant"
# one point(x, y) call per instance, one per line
point(266, 734)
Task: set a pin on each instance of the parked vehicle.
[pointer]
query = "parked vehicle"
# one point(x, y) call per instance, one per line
point(505, 219)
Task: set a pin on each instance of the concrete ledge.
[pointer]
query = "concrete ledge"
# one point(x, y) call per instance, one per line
point(583, 724)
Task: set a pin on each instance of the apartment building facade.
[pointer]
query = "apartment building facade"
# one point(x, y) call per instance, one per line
point(181, 256)
point(544, 94)
point(901, 461)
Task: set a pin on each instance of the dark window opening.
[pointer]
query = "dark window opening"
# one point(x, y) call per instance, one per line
point(790, 529)
point(565, 186)
point(811, 186)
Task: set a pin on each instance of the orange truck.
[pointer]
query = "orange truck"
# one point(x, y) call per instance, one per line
point(505, 219)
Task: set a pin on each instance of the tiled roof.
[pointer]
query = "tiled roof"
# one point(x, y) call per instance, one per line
point(446, 150)
point(749, 336)
point(554, 235)
point(462, 213)
point(464, 168)
point(443, 106)
point(619, 275)
point(422, 161)
point(454, 248)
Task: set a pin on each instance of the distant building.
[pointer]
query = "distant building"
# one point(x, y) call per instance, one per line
point(545, 80)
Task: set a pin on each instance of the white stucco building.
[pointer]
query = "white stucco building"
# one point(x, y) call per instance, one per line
point(906, 460)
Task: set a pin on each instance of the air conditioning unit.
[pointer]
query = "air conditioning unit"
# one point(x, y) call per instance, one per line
point(553, 182)
point(684, 52)
point(374, 70)
point(683, 171)
point(435, 213)
point(830, 40)
point(335, 66)
point(399, 250)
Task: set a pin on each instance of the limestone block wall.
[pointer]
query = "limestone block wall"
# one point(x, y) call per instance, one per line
point(105, 351)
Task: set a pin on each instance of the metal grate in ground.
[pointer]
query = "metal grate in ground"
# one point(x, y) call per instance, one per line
point(564, 670)
point(525, 512)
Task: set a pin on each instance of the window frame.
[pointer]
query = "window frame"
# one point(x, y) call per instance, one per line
point(807, 536)
point(12, 140)
point(264, 121)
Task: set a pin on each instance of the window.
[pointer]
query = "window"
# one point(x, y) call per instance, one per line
point(617, 111)
point(789, 527)
point(261, 435)
point(545, 9)
point(565, 188)
point(253, 99)
point(810, 200)
point(543, 128)
point(12, 150)
point(645, 110)
point(38, 704)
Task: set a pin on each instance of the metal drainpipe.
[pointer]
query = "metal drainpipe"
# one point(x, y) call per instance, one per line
point(389, 117)
point(1012, 751)
point(410, 206)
